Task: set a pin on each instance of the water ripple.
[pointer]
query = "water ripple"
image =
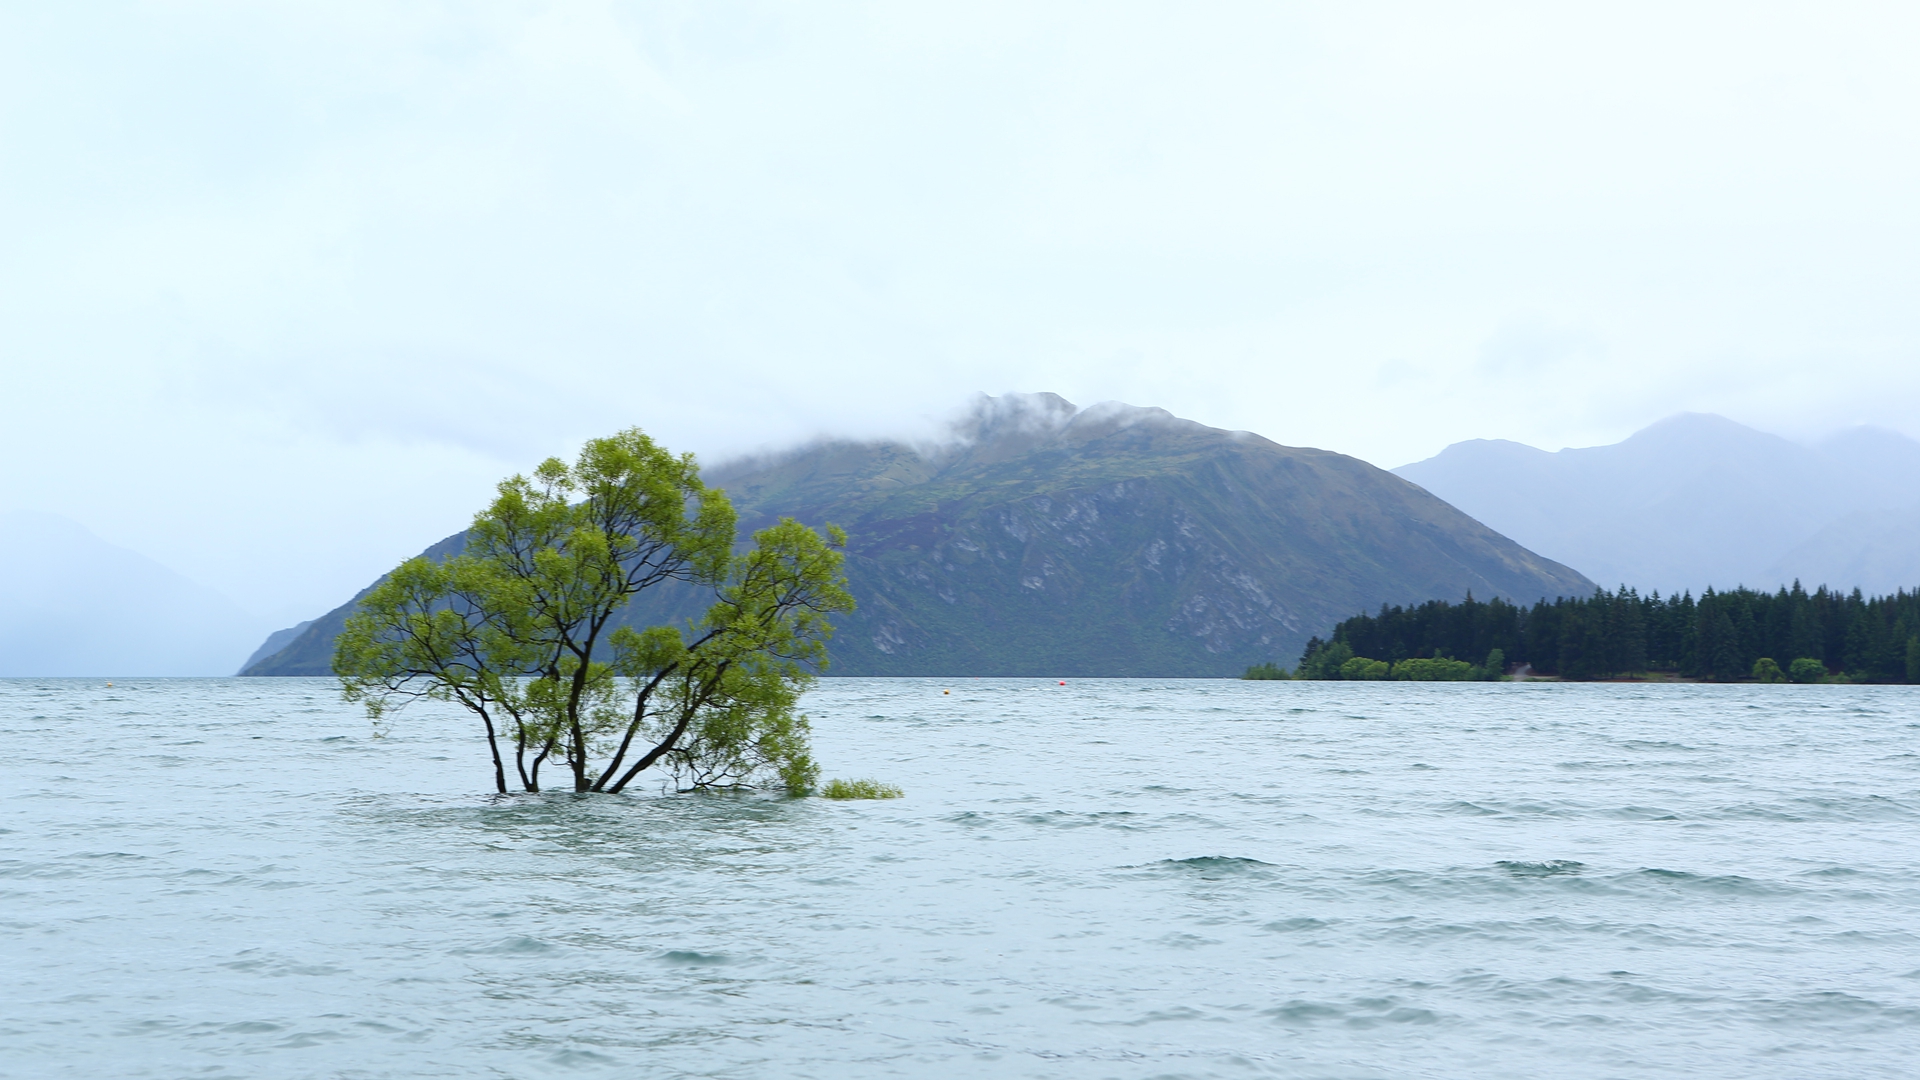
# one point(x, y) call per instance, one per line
point(1121, 878)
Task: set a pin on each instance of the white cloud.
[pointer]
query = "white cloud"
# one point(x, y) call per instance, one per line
point(286, 288)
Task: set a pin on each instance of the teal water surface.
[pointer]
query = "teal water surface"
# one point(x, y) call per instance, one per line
point(1121, 878)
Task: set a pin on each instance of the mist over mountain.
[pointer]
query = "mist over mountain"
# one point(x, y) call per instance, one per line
point(1698, 500)
point(1877, 551)
point(1043, 539)
point(73, 604)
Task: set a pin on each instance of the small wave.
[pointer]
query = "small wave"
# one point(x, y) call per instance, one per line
point(575, 1058)
point(515, 946)
point(1540, 869)
point(1176, 1013)
point(1063, 819)
point(1296, 925)
point(1727, 884)
point(1654, 744)
point(1218, 864)
point(1752, 812)
point(1641, 813)
point(1862, 808)
point(301, 1039)
point(1511, 877)
point(14, 869)
point(1837, 1009)
point(1359, 1013)
point(278, 967)
point(1304, 1012)
point(690, 958)
point(251, 1027)
point(1514, 809)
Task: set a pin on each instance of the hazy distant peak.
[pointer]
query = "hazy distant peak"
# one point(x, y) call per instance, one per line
point(1700, 429)
point(1692, 421)
point(1697, 499)
point(1693, 432)
point(46, 525)
point(25, 530)
point(1886, 460)
point(1687, 429)
point(74, 604)
point(1503, 445)
point(1478, 450)
point(1866, 441)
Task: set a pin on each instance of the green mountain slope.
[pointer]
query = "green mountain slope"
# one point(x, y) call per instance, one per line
point(1047, 540)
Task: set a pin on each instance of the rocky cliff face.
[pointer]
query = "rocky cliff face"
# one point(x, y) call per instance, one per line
point(1118, 578)
point(1048, 540)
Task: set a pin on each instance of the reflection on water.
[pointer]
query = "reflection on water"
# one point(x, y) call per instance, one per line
point(226, 878)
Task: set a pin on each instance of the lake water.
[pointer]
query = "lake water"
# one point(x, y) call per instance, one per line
point(1123, 878)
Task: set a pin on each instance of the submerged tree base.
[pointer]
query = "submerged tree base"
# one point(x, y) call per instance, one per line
point(859, 789)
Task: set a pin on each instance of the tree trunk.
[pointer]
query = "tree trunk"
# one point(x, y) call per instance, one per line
point(493, 744)
point(653, 755)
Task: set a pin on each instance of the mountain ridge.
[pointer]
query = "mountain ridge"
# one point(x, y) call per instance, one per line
point(1695, 500)
point(1045, 539)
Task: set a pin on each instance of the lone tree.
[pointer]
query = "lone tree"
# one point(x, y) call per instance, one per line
point(522, 628)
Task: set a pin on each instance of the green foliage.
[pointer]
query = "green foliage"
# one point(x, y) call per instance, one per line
point(1323, 660)
point(1360, 668)
point(1766, 669)
point(1716, 651)
point(1336, 660)
point(859, 789)
point(1806, 670)
point(1433, 669)
point(1267, 671)
point(1717, 636)
point(521, 627)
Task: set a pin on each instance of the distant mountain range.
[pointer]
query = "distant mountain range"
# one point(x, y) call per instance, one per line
point(72, 604)
point(1042, 539)
point(1698, 500)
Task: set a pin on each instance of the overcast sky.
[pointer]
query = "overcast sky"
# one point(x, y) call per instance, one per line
point(284, 288)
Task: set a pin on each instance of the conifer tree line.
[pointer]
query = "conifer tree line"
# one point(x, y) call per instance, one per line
point(1722, 636)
